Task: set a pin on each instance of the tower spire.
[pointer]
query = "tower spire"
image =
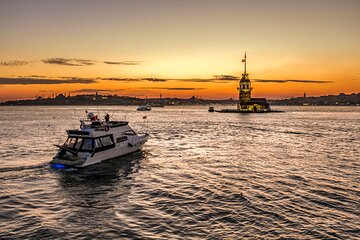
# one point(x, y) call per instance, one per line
point(244, 60)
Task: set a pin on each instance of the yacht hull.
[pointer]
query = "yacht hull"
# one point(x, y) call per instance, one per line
point(132, 145)
point(113, 153)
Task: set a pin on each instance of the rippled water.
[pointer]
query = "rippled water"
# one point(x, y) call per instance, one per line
point(200, 176)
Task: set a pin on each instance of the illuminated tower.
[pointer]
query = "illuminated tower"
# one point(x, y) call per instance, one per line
point(244, 87)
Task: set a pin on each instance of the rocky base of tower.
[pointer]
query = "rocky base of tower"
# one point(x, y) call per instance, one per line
point(246, 111)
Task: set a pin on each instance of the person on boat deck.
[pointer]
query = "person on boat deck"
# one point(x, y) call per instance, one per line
point(94, 118)
point(107, 118)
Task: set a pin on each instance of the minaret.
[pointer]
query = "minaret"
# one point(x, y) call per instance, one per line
point(244, 87)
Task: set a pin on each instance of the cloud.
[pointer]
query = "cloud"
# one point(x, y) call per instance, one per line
point(72, 78)
point(173, 88)
point(225, 77)
point(38, 79)
point(154, 79)
point(193, 80)
point(28, 81)
point(13, 63)
point(33, 76)
point(291, 80)
point(134, 79)
point(183, 89)
point(269, 81)
point(93, 90)
point(122, 79)
point(215, 79)
point(68, 61)
point(123, 62)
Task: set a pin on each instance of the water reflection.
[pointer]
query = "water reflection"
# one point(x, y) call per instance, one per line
point(104, 175)
point(93, 192)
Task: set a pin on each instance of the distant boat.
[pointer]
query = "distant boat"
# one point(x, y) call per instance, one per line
point(157, 105)
point(144, 108)
point(211, 109)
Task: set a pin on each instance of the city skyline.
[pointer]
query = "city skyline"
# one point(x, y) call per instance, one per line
point(178, 48)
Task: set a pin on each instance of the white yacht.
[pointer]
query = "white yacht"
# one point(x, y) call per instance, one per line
point(96, 141)
point(144, 108)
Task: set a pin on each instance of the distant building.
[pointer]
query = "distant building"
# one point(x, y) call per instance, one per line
point(246, 102)
point(60, 97)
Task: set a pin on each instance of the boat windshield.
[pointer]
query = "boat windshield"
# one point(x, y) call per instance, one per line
point(83, 144)
point(87, 144)
point(79, 144)
point(70, 143)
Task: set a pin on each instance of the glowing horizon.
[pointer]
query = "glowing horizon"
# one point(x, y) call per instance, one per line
point(175, 48)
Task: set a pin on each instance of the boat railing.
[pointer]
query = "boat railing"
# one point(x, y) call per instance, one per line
point(86, 124)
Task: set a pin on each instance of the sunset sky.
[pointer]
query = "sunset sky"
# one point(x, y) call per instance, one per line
point(178, 48)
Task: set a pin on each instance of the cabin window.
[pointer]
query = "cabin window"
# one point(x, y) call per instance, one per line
point(129, 133)
point(70, 142)
point(121, 139)
point(78, 143)
point(98, 143)
point(87, 144)
point(106, 141)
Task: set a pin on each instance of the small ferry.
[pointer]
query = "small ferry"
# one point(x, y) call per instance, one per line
point(144, 108)
point(96, 141)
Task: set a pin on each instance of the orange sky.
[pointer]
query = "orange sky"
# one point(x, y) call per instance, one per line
point(83, 43)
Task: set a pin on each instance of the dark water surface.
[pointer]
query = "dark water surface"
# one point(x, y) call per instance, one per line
point(200, 176)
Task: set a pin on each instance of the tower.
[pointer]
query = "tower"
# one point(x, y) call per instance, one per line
point(244, 87)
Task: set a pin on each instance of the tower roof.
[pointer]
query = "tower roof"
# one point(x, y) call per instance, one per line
point(245, 77)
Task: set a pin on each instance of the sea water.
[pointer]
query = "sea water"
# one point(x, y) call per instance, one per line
point(201, 175)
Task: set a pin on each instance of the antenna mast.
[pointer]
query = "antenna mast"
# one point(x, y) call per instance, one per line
point(245, 63)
